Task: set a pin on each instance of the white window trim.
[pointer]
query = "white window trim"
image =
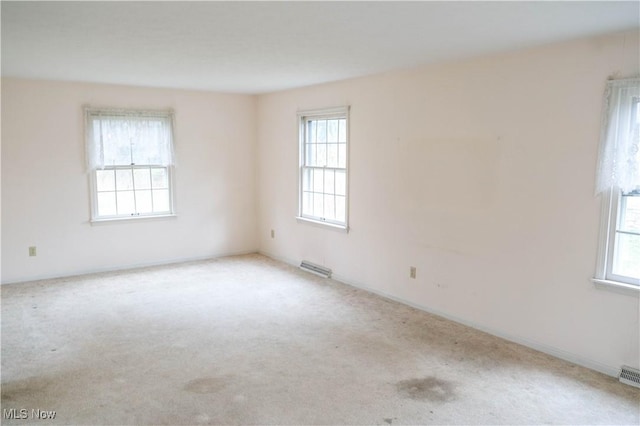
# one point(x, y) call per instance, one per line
point(324, 113)
point(321, 224)
point(604, 278)
point(614, 175)
point(132, 218)
point(95, 218)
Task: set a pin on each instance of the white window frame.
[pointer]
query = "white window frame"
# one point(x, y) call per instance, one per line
point(320, 114)
point(607, 244)
point(96, 218)
point(610, 217)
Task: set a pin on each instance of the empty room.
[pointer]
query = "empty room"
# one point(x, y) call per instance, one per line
point(320, 212)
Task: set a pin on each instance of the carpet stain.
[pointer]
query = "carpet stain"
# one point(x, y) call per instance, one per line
point(388, 421)
point(206, 385)
point(23, 389)
point(427, 389)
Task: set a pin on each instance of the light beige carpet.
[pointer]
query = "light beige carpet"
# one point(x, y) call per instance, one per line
point(248, 340)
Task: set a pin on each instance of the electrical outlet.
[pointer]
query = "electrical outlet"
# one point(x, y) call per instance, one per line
point(412, 272)
point(273, 233)
point(32, 251)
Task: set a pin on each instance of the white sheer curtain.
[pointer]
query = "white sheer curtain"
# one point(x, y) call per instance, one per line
point(619, 154)
point(122, 138)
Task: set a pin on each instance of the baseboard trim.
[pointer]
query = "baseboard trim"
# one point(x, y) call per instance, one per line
point(127, 267)
point(541, 347)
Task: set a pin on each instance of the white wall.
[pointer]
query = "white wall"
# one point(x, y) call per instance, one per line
point(45, 189)
point(480, 174)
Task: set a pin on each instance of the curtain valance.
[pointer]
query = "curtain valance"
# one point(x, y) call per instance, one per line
point(619, 153)
point(120, 137)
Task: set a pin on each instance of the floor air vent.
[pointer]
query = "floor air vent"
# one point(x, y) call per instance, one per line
point(630, 376)
point(315, 269)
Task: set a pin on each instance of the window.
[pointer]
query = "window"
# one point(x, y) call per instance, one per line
point(323, 182)
point(619, 181)
point(625, 238)
point(130, 159)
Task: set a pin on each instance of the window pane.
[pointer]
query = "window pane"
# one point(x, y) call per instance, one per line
point(332, 130)
point(317, 205)
point(318, 180)
point(107, 204)
point(159, 178)
point(341, 210)
point(630, 214)
point(142, 178)
point(328, 181)
point(307, 179)
point(321, 155)
point(332, 155)
point(627, 256)
point(329, 207)
point(105, 180)
point(342, 133)
point(311, 131)
point(143, 202)
point(341, 183)
point(126, 204)
point(342, 155)
point(307, 203)
point(161, 201)
point(310, 152)
point(321, 134)
point(124, 180)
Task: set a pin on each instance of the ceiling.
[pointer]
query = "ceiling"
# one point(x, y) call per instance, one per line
point(258, 47)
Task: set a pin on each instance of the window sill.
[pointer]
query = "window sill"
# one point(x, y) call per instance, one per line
point(618, 287)
point(339, 228)
point(130, 219)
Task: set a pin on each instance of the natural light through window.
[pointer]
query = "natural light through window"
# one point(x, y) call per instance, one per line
point(130, 156)
point(626, 254)
point(626, 261)
point(323, 166)
point(132, 191)
point(619, 181)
